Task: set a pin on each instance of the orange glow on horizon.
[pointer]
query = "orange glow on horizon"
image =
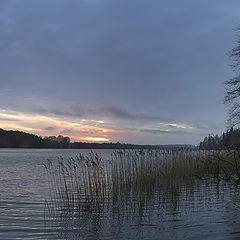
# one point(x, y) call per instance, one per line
point(42, 125)
point(96, 139)
point(39, 124)
point(18, 128)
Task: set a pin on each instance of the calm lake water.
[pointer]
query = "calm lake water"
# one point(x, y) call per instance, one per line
point(202, 211)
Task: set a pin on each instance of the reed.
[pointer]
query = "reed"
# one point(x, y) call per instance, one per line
point(77, 184)
point(90, 184)
point(149, 170)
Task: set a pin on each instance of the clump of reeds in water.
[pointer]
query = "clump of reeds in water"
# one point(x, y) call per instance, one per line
point(78, 184)
point(91, 187)
point(147, 170)
point(89, 182)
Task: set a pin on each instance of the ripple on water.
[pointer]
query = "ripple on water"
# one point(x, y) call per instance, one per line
point(204, 211)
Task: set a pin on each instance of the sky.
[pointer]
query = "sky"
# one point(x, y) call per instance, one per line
point(133, 71)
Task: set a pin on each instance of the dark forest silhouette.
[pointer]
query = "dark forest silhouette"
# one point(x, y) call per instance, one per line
point(18, 139)
point(229, 139)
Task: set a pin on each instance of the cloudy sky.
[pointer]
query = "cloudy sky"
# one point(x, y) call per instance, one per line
point(135, 71)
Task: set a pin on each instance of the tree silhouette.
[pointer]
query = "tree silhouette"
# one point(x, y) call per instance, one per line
point(232, 93)
point(229, 139)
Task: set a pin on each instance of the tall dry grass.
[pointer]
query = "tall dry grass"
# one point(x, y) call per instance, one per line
point(89, 183)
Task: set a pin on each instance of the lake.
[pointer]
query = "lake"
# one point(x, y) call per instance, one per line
point(202, 211)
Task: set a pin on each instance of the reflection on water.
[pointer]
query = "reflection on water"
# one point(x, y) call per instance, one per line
point(205, 211)
point(199, 211)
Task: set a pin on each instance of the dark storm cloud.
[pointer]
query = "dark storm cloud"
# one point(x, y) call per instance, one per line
point(145, 58)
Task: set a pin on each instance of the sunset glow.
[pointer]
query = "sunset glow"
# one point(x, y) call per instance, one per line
point(96, 139)
point(46, 125)
point(82, 129)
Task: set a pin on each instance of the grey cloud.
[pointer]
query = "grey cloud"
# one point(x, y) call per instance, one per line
point(56, 112)
point(107, 112)
point(66, 131)
point(205, 126)
point(116, 112)
point(160, 132)
point(5, 91)
point(200, 126)
point(9, 119)
point(50, 128)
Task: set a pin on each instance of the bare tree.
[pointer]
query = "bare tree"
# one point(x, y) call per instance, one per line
point(232, 94)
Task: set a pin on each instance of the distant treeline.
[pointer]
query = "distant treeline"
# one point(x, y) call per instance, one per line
point(18, 139)
point(229, 139)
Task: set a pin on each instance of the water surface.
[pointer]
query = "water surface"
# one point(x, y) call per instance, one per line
point(202, 211)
